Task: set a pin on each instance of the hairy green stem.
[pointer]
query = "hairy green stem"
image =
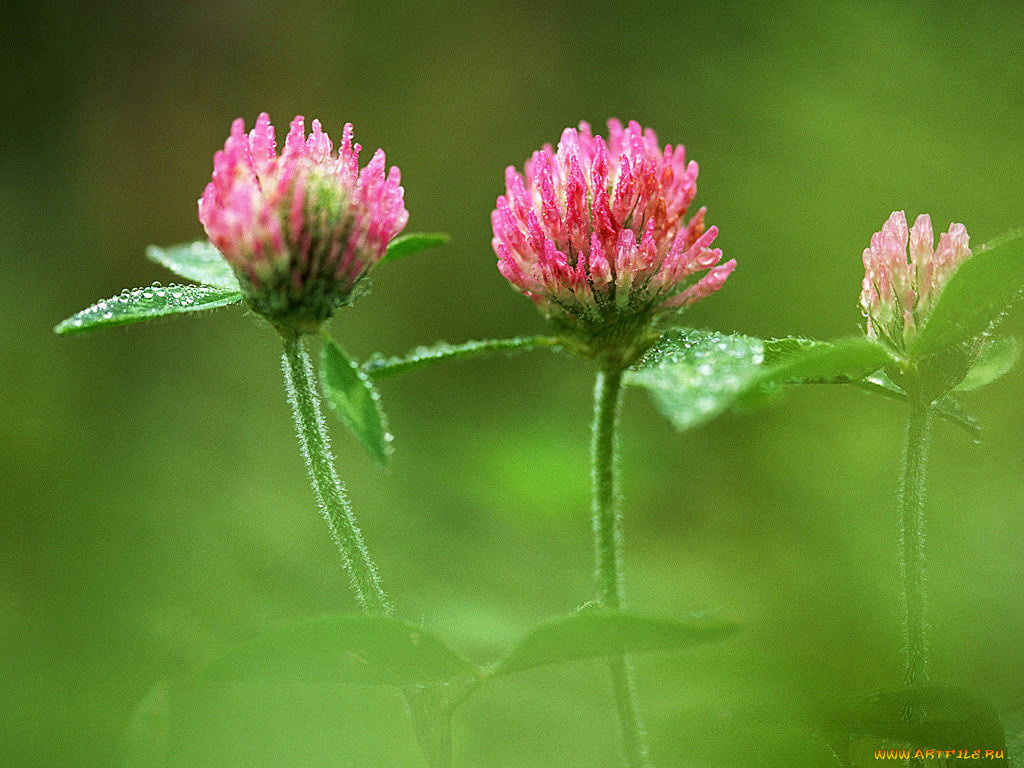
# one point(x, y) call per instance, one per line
point(330, 493)
point(433, 734)
point(912, 540)
point(608, 552)
point(912, 545)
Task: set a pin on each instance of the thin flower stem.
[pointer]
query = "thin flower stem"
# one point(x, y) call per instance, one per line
point(330, 493)
point(912, 539)
point(433, 734)
point(608, 552)
point(912, 544)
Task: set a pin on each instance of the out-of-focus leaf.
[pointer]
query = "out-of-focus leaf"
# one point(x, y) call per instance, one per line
point(199, 261)
point(976, 296)
point(342, 648)
point(355, 399)
point(141, 304)
point(999, 356)
point(592, 633)
point(947, 408)
point(145, 740)
point(694, 376)
point(414, 242)
point(379, 367)
point(930, 718)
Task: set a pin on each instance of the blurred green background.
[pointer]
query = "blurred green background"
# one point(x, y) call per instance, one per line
point(155, 509)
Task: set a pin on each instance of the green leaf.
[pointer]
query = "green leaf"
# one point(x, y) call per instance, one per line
point(379, 367)
point(804, 361)
point(591, 633)
point(140, 304)
point(976, 296)
point(145, 740)
point(341, 649)
point(414, 242)
point(355, 399)
point(790, 361)
point(929, 718)
point(199, 261)
point(694, 376)
point(781, 351)
point(997, 358)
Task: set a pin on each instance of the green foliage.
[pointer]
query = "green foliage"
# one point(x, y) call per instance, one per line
point(353, 649)
point(592, 633)
point(145, 740)
point(694, 376)
point(789, 361)
point(200, 262)
point(414, 242)
point(976, 296)
point(139, 304)
point(355, 399)
point(929, 717)
point(379, 367)
point(996, 359)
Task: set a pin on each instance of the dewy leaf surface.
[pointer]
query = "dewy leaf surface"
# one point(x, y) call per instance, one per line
point(379, 367)
point(200, 262)
point(139, 304)
point(695, 375)
point(790, 361)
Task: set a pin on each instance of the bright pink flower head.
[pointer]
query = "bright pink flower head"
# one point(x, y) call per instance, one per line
point(595, 231)
point(301, 228)
point(899, 292)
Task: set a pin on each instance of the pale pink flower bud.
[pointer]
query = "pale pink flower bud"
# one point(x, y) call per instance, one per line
point(596, 234)
point(301, 228)
point(904, 274)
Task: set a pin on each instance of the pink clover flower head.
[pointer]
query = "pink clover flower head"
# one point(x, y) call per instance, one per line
point(301, 228)
point(904, 274)
point(595, 232)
